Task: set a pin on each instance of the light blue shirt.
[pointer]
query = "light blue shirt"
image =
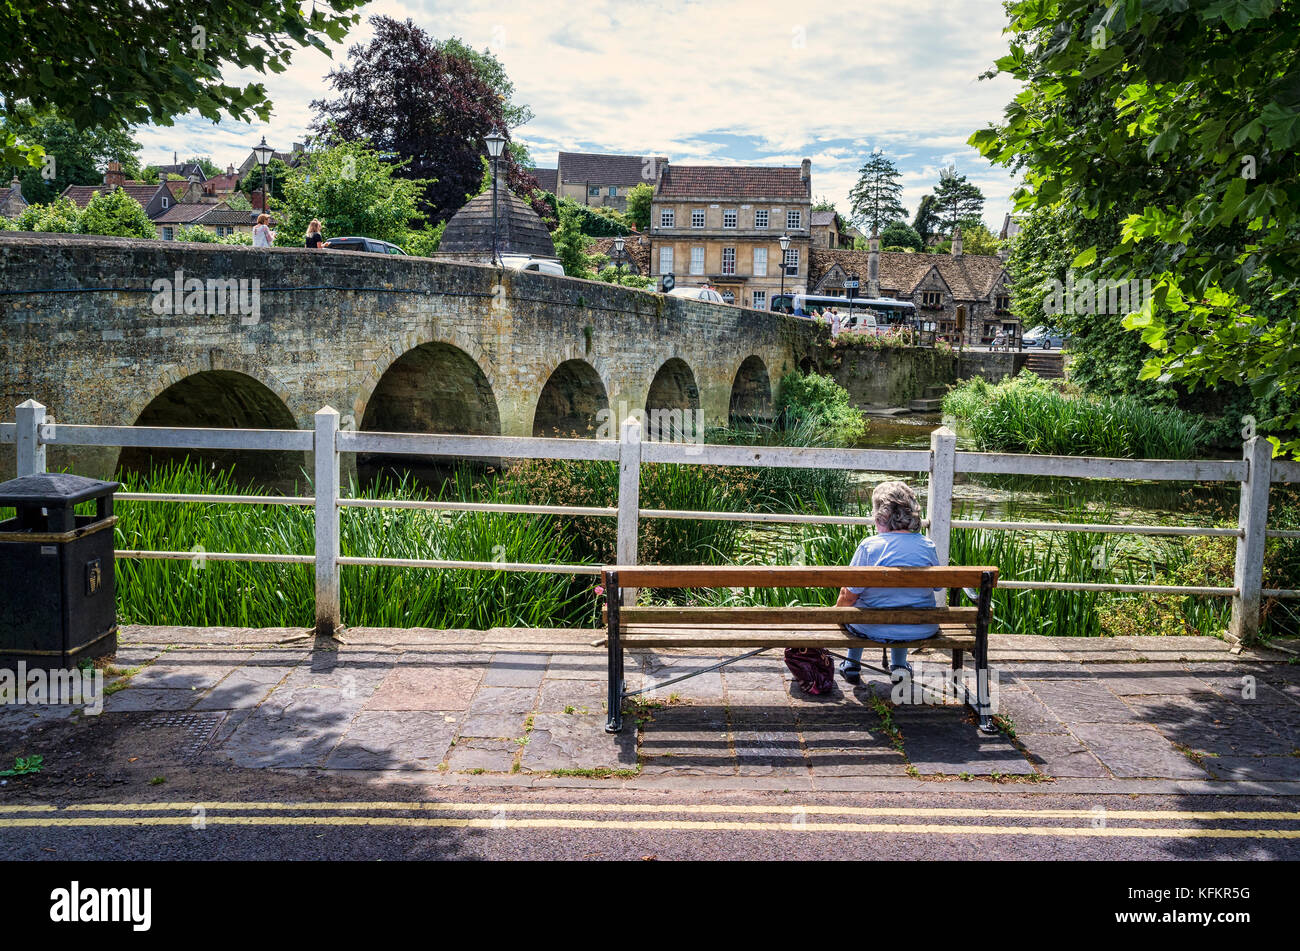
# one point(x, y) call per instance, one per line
point(895, 550)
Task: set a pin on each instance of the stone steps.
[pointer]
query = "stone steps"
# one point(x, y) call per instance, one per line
point(1048, 367)
point(925, 405)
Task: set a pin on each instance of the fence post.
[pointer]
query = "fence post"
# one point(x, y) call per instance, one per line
point(629, 497)
point(31, 451)
point(943, 460)
point(1252, 519)
point(328, 619)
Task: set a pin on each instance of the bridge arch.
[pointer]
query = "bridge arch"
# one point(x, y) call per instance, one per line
point(225, 399)
point(573, 402)
point(751, 393)
point(433, 387)
point(672, 404)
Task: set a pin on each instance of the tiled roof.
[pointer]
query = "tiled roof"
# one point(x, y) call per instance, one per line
point(969, 277)
point(823, 218)
point(520, 231)
point(636, 248)
point(81, 194)
point(229, 216)
point(582, 167)
point(545, 177)
point(5, 194)
point(183, 169)
point(732, 181)
point(183, 213)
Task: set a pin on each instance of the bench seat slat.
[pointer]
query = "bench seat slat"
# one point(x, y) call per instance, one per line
point(740, 616)
point(750, 639)
point(778, 576)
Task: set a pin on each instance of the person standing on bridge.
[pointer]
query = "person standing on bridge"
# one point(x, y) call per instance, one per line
point(263, 236)
point(314, 238)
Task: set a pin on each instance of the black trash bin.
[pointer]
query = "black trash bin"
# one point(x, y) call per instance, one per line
point(57, 592)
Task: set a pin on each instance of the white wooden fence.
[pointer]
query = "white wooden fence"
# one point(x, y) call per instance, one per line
point(33, 430)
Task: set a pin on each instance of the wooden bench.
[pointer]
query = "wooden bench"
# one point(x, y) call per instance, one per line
point(961, 629)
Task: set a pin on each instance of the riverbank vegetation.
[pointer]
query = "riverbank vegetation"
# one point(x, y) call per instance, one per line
point(1025, 413)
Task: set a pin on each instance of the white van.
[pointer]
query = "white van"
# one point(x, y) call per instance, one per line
point(697, 293)
point(526, 262)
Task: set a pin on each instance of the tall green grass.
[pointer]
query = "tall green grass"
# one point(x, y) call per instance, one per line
point(1026, 414)
point(216, 593)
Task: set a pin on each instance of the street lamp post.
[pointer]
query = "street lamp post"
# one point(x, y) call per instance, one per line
point(785, 246)
point(618, 257)
point(496, 143)
point(263, 152)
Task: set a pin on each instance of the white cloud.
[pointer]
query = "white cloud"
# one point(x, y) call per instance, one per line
point(819, 79)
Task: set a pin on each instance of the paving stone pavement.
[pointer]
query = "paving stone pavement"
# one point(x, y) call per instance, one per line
point(534, 703)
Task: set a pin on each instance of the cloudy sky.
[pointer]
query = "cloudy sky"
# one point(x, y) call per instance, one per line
point(704, 82)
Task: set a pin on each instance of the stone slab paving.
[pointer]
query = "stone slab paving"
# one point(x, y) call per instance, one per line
point(533, 702)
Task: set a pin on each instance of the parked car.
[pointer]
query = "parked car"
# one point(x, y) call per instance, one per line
point(526, 262)
point(1045, 338)
point(373, 245)
point(697, 293)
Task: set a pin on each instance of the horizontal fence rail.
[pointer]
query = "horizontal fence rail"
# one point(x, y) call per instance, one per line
point(1255, 472)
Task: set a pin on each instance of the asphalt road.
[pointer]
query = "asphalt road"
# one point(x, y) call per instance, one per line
point(410, 822)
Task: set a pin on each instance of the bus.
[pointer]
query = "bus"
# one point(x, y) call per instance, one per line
point(863, 314)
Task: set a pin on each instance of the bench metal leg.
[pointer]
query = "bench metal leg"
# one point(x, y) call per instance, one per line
point(614, 710)
point(983, 704)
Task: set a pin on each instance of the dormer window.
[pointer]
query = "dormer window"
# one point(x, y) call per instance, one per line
point(1002, 304)
point(932, 300)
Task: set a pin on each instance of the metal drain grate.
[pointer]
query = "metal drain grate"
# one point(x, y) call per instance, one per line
point(198, 729)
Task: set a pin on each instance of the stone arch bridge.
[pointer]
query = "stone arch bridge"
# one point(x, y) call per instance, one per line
point(123, 332)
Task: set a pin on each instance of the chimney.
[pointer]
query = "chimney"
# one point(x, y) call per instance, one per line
point(175, 159)
point(297, 146)
point(113, 175)
point(1003, 253)
point(230, 169)
point(873, 265)
point(956, 242)
point(805, 170)
point(16, 189)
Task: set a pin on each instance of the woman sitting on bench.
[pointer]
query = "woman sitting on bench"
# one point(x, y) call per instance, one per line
point(897, 544)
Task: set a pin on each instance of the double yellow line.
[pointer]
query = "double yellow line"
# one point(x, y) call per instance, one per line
point(681, 817)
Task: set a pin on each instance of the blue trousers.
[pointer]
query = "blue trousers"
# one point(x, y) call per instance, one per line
point(897, 656)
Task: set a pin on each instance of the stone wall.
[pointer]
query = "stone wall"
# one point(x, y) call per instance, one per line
point(80, 332)
point(893, 377)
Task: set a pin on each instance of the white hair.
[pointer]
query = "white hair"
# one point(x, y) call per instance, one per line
point(895, 507)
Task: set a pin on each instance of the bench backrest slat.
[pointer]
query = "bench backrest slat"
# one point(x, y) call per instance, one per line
point(779, 576)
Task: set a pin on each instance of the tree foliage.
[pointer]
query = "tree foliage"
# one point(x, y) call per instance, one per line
point(639, 200)
point(926, 223)
point(876, 199)
point(115, 213)
point(353, 191)
point(1193, 112)
point(276, 174)
point(899, 234)
point(428, 105)
point(73, 156)
point(571, 244)
point(958, 202)
point(116, 65)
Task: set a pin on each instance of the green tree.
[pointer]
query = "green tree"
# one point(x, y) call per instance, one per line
point(210, 168)
point(958, 202)
point(60, 216)
point(489, 69)
point(124, 64)
point(976, 238)
point(571, 244)
point(876, 199)
point(926, 223)
point(116, 213)
point(899, 234)
point(197, 233)
point(1195, 108)
point(638, 205)
point(353, 191)
point(276, 175)
point(73, 156)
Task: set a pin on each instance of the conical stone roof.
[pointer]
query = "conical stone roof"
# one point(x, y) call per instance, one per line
point(520, 230)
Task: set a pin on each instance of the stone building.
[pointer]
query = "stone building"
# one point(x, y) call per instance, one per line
point(944, 287)
point(721, 225)
point(12, 202)
point(603, 180)
point(829, 230)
